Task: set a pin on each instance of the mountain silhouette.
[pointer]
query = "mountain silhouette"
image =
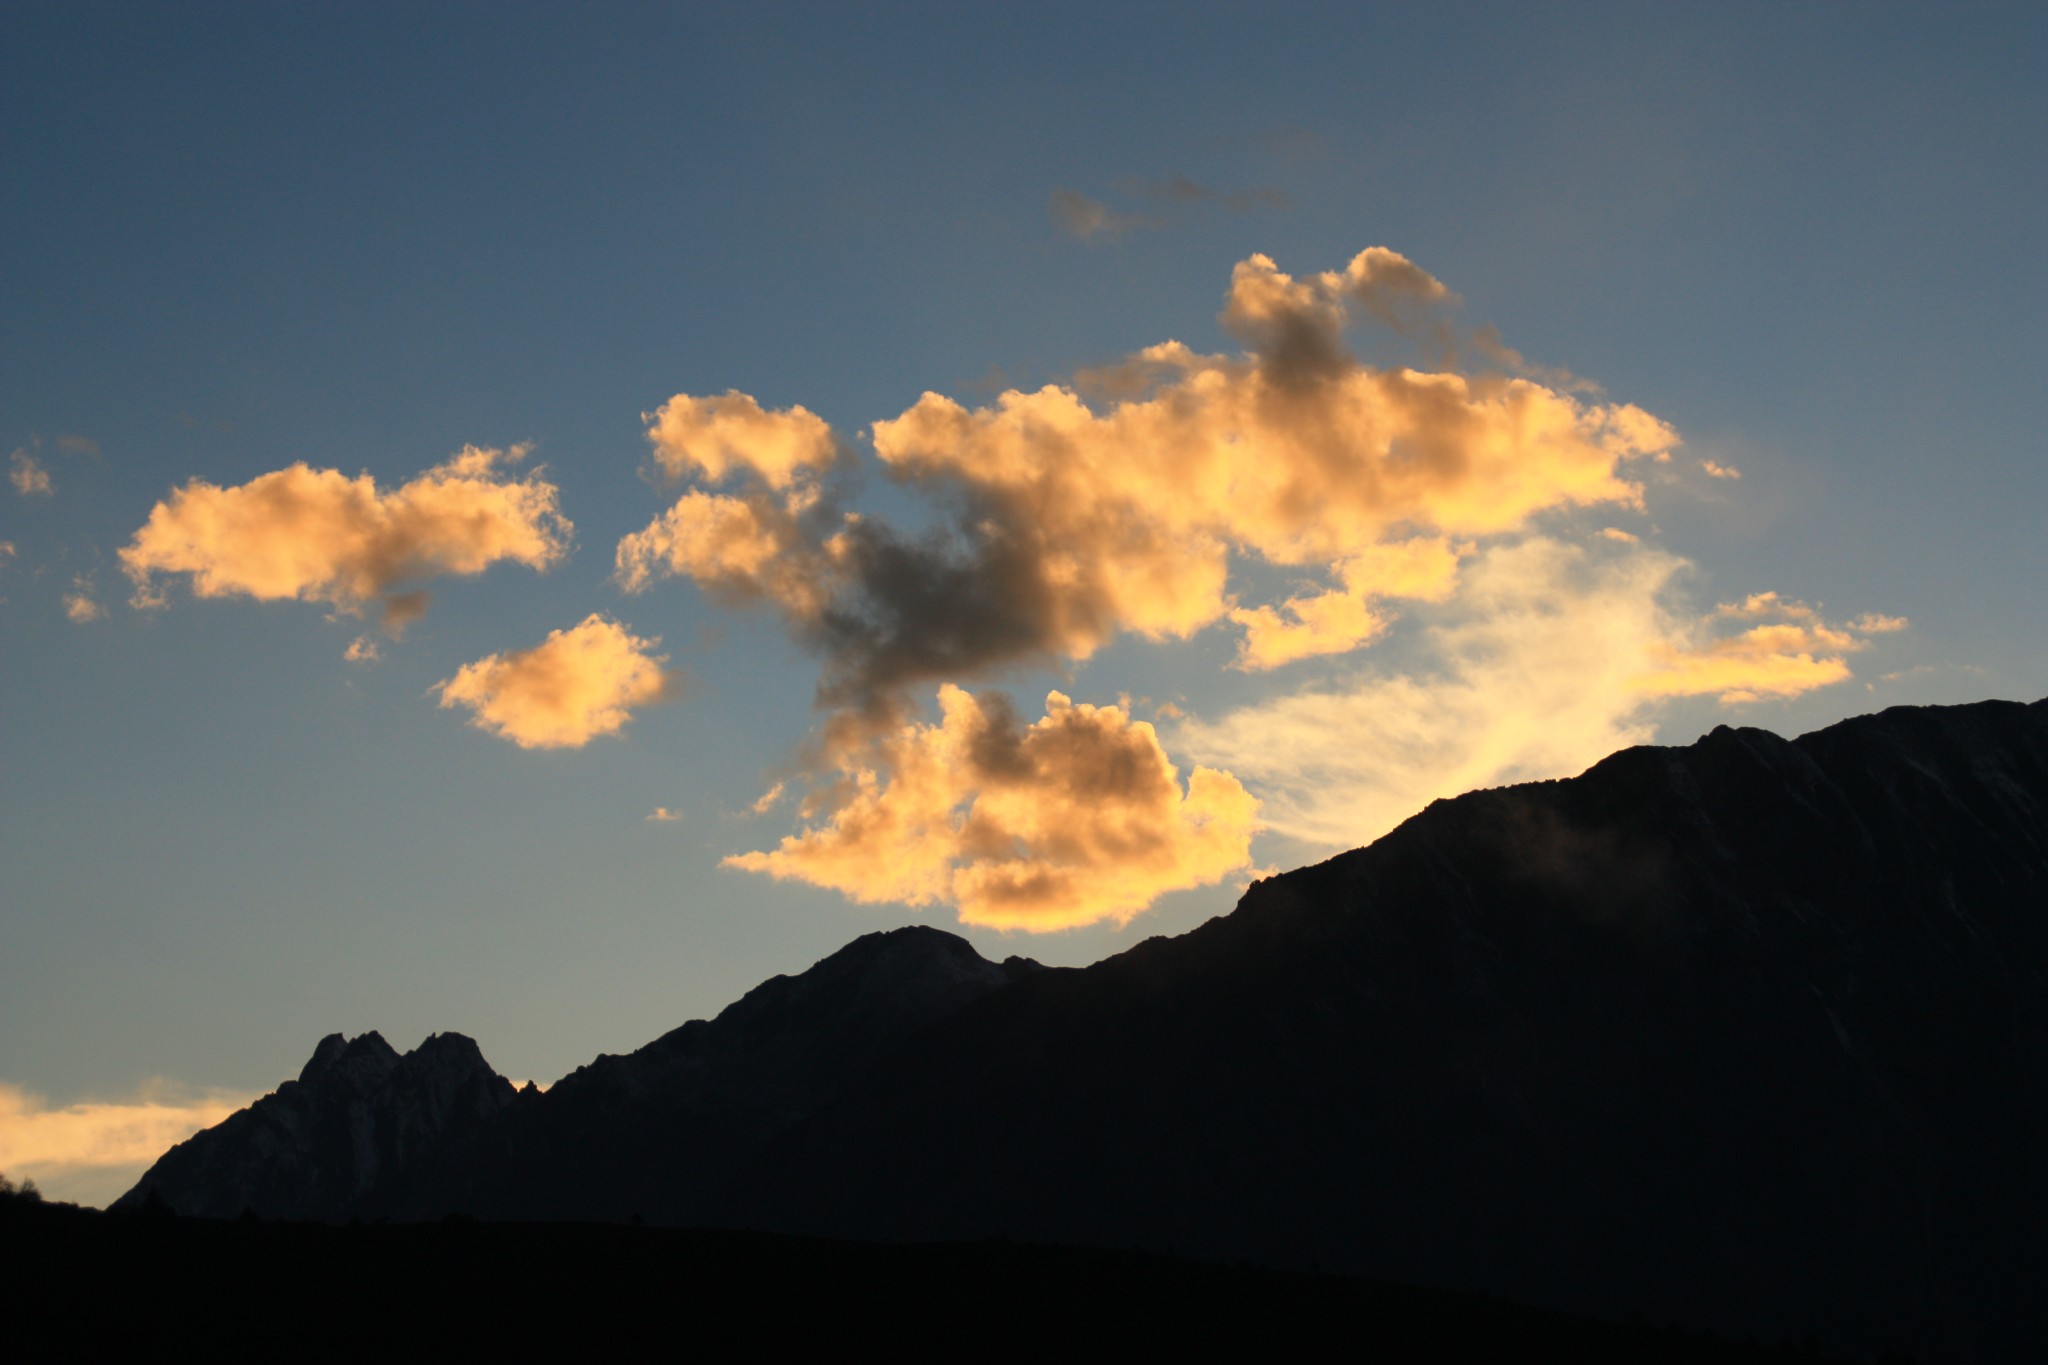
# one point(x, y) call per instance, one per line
point(1750, 1035)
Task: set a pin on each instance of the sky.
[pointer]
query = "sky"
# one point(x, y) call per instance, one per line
point(530, 520)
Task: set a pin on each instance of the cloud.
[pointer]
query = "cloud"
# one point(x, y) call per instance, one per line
point(576, 685)
point(1063, 525)
point(79, 445)
point(92, 1152)
point(1716, 470)
point(767, 800)
point(1290, 494)
point(27, 474)
point(1076, 818)
point(662, 815)
point(717, 436)
point(1084, 217)
point(79, 605)
point(362, 650)
point(316, 535)
point(1339, 621)
point(1548, 658)
point(1170, 200)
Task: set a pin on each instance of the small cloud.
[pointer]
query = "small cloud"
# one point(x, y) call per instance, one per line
point(571, 688)
point(1171, 199)
point(7, 550)
point(1615, 533)
point(28, 475)
point(316, 535)
point(1085, 217)
point(1167, 710)
point(1076, 818)
point(1875, 623)
point(79, 605)
point(79, 445)
point(766, 801)
point(362, 650)
point(662, 815)
point(1716, 470)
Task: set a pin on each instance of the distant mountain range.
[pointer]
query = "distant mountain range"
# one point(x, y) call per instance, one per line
point(1750, 1035)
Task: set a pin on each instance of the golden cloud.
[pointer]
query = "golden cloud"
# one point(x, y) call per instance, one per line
point(1547, 658)
point(92, 1152)
point(571, 688)
point(718, 436)
point(1076, 818)
point(1069, 524)
point(317, 535)
point(79, 603)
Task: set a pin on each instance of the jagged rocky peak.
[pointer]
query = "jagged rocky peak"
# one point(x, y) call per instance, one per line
point(358, 1065)
point(350, 1129)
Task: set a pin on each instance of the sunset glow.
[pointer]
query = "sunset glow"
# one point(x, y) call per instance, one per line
point(531, 521)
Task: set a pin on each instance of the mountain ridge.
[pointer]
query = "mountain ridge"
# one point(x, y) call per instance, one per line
point(1751, 1034)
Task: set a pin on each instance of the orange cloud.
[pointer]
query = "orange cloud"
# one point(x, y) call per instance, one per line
point(576, 685)
point(317, 535)
point(79, 604)
point(718, 436)
point(28, 475)
point(740, 549)
point(1794, 653)
point(1070, 524)
point(1077, 818)
point(93, 1152)
point(1339, 621)
point(1547, 658)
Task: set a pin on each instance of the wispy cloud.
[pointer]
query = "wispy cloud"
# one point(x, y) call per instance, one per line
point(79, 603)
point(1550, 657)
point(93, 1151)
point(27, 474)
point(1164, 203)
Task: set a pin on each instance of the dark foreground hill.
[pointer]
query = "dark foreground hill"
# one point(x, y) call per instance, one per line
point(1750, 1035)
point(98, 1286)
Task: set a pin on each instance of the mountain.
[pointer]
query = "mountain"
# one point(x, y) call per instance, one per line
point(1749, 1035)
point(365, 1133)
point(358, 1122)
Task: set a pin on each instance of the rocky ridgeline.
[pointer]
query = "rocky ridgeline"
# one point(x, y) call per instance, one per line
point(1750, 1035)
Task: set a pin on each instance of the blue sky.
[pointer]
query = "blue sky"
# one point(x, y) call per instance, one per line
point(364, 238)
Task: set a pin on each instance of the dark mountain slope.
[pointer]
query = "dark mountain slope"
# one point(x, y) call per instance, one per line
point(658, 1133)
point(1752, 1033)
point(359, 1120)
point(366, 1133)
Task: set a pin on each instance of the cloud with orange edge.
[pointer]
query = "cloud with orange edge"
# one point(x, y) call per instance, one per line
point(1066, 524)
point(1548, 657)
point(317, 535)
point(573, 687)
point(1135, 501)
point(1075, 818)
point(94, 1151)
